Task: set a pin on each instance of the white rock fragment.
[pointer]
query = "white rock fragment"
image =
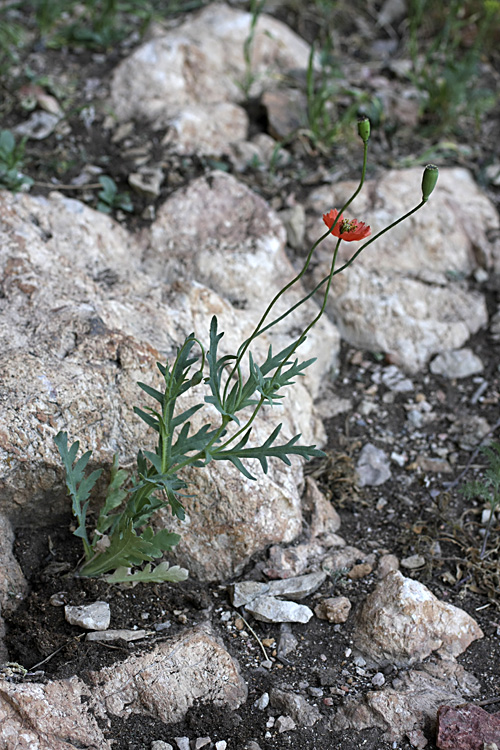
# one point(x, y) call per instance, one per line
point(108, 636)
point(95, 616)
point(246, 591)
point(401, 622)
point(182, 743)
point(334, 609)
point(298, 587)
point(160, 745)
point(285, 724)
point(373, 466)
point(460, 363)
point(270, 609)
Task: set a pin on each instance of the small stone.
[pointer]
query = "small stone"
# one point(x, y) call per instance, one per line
point(386, 564)
point(413, 562)
point(295, 706)
point(221, 745)
point(459, 363)
point(58, 600)
point(267, 664)
point(285, 724)
point(294, 219)
point(299, 587)
point(269, 609)
point(334, 609)
point(378, 679)
point(252, 745)
point(263, 702)
point(246, 591)
point(202, 742)
point(109, 636)
point(361, 570)
point(373, 466)
point(466, 727)
point(94, 616)
point(160, 745)
point(182, 743)
point(39, 126)
point(287, 641)
point(315, 692)
point(147, 182)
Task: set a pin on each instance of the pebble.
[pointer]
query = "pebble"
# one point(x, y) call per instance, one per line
point(378, 679)
point(270, 609)
point(459, 363)
point(182, 743)
point(116, 635)
point(160, 745)
point(221, 745)
point(95, 616)
point(413, 562)
point(202, 742)
point(334, 609)
point(262, 702)
point(285, 724)
point(373, 466)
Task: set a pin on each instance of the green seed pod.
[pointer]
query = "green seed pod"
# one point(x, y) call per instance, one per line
point(197, 378)
point(364, 129)
point(429, 179)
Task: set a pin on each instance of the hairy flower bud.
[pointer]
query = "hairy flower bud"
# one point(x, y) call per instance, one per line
point(364, 128)
point(429, 179)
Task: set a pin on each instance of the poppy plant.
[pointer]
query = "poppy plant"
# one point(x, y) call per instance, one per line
point(346, 229)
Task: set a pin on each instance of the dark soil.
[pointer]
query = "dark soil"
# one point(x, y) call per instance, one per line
point(414, 512)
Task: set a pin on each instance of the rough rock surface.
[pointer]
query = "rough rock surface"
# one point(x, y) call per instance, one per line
point(190, 79)
point(467, 727)
point(411, 704)
point(101, 323)
point(166, 681)
point(399, 296)
point(401, 622)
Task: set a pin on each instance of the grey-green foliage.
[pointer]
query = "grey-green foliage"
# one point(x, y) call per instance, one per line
point(11, 163)
point(110, 199)
point(121, 538)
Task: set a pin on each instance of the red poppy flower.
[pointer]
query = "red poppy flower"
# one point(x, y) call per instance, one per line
point(346, 229)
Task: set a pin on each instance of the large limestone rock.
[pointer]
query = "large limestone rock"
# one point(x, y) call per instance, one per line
point(192, 78)
point(401, 622)
point(162, 683)
point(83, 320)
point(407, 295)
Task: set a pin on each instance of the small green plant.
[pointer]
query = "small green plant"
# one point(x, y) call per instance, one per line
point(256, 8)
point(11, 162)
point(447, 70)
point(110, 199)
point(487, 490)
point(121, 539)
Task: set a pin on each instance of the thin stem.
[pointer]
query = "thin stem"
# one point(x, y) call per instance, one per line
point(258, 330)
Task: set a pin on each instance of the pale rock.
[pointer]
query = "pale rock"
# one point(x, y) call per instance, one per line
point(299, 587)
point(38, 126)
point(287, 641)
point(285, 724)
point(245, 592)
point(166, 681)
point(324, 517)
point(13, 585)
point(182, 743)
point(296, 706)
point(262, 703)
point(410, 706)
point(373, 466)
point(59, 715)
point(360, 570)
point(285, 109)
point(287, 562)
point(201, 742)
point(401, 622)
point(147, 181)
point(190, 79)
point(109, 636)
point(160, 745)
point(95, 616)
point(469, 429)
point(294, 221)
point(397, 297)
point(101, 323)
point(387, 564)
point(343, 559)
point(221, 745)
point(334, 609)
point(394, 379)
point(413, 562)
point(461, 363)
point(270, 609)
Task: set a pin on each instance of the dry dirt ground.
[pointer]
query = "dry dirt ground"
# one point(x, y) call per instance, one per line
point(415, 512)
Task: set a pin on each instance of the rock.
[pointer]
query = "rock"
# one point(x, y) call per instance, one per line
point(386, 564)
point(38, 126)
point(13, 585)
point(182, 743)
point(378, 679)
point(160, 745)
point(108, 636)
point(461, 363)
point(221, 745)
point(166, 681)
point(201, 742)
point(413, 562)
point(245, 592)
point(296, 706)
point(410, 706)
point(285, 724)
point(334, 609)
point(95, 616)
point(343, 559)
point(58, 715)
point(294, 220)
point(297, 588)
point(373, 467)
point(391, 301)
point(289, 562)
point(101, 323)
point(394, 379)
point(361, 570)
point(192, 78)
point(401, 622)
point(263, 702)
point(147, 181)
point(324, 517)
point(285, 110)
point(466, 727)
point(287, 641)
point(270, 609)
